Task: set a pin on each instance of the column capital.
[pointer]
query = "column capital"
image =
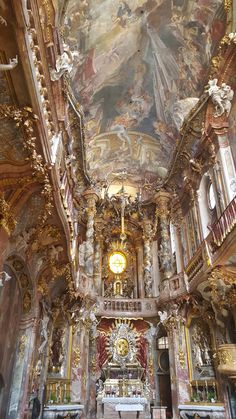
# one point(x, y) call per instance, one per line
point(162, 200)
point(91, 195)
point(162, 196)
point(148, 230)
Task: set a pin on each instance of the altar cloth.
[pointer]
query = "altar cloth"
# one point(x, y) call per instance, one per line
point(125, 400)
point(129, 407)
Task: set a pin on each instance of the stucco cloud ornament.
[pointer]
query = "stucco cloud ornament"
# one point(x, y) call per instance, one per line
point(221, 97)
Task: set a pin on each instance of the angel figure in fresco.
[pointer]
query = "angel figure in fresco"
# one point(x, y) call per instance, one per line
point(123, 14)
point(122, 134)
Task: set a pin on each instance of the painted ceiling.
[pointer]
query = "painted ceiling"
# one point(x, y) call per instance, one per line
point(140, 67)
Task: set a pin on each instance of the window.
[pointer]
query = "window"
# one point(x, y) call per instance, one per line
point(211, 197)
point(162, 343)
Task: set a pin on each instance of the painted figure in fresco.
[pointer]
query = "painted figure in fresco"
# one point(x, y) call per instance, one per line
point(123, 14)
point(143, 66)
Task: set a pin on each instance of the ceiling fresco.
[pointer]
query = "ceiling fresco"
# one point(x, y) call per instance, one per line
point(140, 67)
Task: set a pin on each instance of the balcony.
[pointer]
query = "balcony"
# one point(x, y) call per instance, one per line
point(218, 246)
point(225, 224)
point(145, 307)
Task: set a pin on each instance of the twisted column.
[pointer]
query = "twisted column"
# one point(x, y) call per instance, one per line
point(162, 212)
point(147, 262)
point(98, 258)
point(91, 198)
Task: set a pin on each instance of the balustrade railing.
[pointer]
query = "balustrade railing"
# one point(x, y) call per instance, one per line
point(146, 307)
point(196, 263)
point(58, 391)
point(222, 227)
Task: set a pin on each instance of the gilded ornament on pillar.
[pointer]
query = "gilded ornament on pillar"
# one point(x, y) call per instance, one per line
point(181, 358)
point(26, 302)
point(22, 345)
point(77, 356)
point(227, 5)
point(7, 221)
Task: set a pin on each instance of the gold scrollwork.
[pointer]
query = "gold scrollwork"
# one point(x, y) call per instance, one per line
point(77, 356)
point(7, 221)
point(227, 5)
point(224, 357)
point(22, 345)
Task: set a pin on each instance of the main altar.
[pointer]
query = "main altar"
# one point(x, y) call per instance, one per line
point(124, 385)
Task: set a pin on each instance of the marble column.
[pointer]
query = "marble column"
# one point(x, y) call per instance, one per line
point(76, 369)
point(19, 387)
point(91, 198)
point(98, 259)
point(163, 199)
point(177, 221)
point(80, 363)
point(139, 256)
point(147, 256)
point(179, 374)
point(92, 379)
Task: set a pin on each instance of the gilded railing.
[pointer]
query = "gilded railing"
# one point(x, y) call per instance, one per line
point(196, 263)
point(58, 391)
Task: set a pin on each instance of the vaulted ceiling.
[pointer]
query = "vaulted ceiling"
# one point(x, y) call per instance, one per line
point(139, 68)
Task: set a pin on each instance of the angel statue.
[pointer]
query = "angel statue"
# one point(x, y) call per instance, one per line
point(64, 63)
point(221, 97)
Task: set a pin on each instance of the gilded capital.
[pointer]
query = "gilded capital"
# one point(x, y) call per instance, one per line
point(163, 200)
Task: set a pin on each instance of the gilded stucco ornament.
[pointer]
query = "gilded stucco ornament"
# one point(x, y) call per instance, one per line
point(25, 120)
point(77, 356)
point(219, 290)
point(22, 346)
point(7, 221)
point(227, 5)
